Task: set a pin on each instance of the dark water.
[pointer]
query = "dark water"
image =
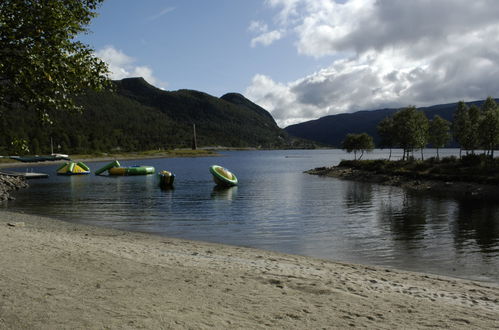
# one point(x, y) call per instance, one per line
point(277, 207)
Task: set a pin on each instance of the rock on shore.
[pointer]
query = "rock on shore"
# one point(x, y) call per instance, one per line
point(10, 183)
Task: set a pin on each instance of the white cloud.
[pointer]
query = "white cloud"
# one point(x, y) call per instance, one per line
point(266, 38)
point(123, 66)
point(258, 27)
point(417, 52)
point(160, 13)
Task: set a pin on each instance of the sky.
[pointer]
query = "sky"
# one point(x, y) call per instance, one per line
point(305, 59)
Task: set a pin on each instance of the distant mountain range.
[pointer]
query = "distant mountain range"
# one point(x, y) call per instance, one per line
point(331, 130)
point(139, 116)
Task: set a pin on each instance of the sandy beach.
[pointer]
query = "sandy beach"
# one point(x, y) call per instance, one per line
point(58, 275)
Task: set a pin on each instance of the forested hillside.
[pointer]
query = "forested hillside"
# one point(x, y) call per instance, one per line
point(138, 116)
point(331, 130)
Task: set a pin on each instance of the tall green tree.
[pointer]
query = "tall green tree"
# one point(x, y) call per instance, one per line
point(42, 64)
point(411, 128)
point(489, 126)
point(387, 133)
point(358, 143)
point(439, 134)
point(473, 138)
point(461, 125)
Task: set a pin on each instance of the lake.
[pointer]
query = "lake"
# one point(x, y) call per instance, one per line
point(278, 207)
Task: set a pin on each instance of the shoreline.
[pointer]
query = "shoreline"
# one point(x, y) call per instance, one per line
point(125, 156)
point(58, 274)
point(455, 189)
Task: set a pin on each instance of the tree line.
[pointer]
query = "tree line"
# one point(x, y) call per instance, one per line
point(473, 128)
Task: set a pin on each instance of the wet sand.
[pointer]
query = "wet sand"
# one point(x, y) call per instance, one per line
point(57, 275)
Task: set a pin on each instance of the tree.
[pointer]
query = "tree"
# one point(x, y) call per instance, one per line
point(387, 133)
point(42, 65)
point(439, 134)
point(489, 126)
point(358, 142)
point(411, 127)
point(473, 138)
point(461, 125)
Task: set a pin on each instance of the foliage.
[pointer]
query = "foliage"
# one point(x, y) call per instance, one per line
point(42, 64)
point(439, 133)
point(358, 142)
point(411, 129)
point(138, 116)
point(489, 126)
point(461, 127)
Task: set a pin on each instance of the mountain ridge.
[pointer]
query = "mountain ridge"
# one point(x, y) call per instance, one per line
point(332, 129)
point(138, 116)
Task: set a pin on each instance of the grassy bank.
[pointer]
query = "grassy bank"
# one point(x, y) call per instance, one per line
point(471, 168)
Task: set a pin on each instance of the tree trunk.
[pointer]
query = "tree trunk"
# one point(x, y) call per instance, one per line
point(422, 157)
point(361, 154)
point(390, 156)
point(438, 156)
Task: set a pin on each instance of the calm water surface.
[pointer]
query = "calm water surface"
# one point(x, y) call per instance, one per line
point(277, 207)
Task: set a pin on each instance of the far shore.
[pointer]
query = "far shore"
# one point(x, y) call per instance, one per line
point(102, 157)
point(58, 274)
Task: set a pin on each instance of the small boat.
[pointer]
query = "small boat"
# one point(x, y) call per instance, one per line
point(73, 168)
point(131, 170)
point(166, 179)
point(222, 176)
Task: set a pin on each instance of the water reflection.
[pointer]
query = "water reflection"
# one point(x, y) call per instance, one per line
point(358, 196)
point(227, 193)
point(406, 220)
point(278, 207)
point(478, 221)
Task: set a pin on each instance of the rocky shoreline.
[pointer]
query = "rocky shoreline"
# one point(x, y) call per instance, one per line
point(456, 189)
point(8, 184)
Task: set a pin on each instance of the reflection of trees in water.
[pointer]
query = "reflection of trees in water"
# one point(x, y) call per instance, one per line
point(479, 221)
point(414, 217)
point(358, 196)
point(407, 219)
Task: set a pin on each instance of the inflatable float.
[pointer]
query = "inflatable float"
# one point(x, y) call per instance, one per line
point(107, 167)
point(222, 176)
point(73, 168)
point(166, 179)
point(114, 168)
point(131, 170)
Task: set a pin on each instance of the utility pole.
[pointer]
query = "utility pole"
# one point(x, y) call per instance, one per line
point(194, 141)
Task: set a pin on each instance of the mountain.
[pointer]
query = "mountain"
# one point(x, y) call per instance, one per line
point(139, 116)
point(331, 130)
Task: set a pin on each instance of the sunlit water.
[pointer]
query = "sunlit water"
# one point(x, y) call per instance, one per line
point(278, 207)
